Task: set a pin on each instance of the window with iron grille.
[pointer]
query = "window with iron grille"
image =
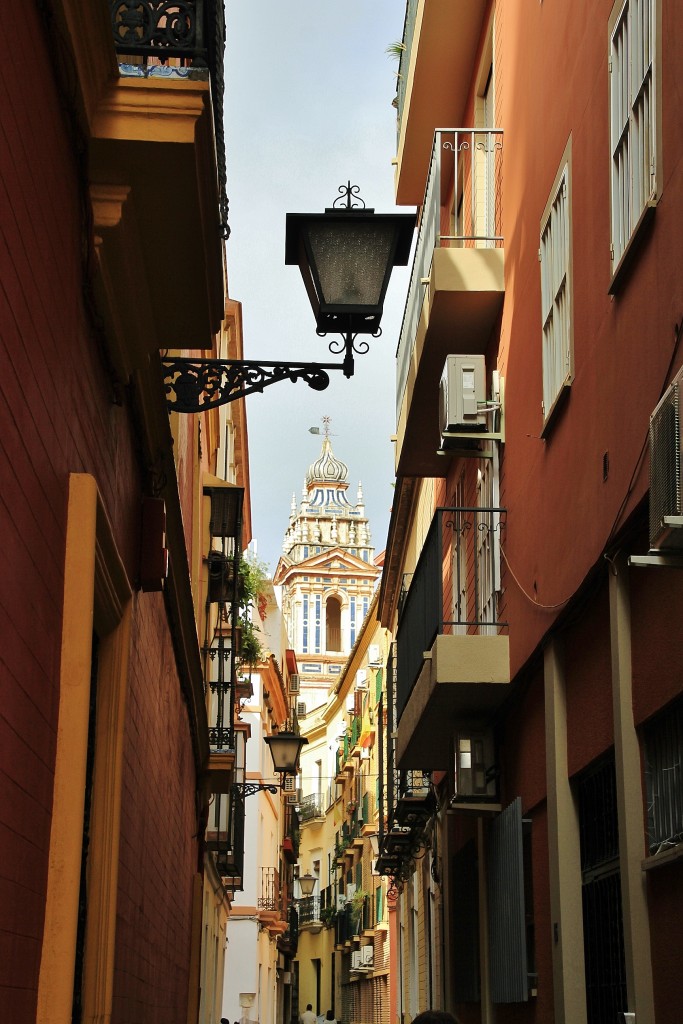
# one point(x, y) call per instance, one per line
point(603, 932)
point(663, 744)
point(632, 44)
point(465, 924)
point(556, 289)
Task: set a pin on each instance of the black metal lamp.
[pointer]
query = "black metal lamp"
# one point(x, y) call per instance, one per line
point(285, 748)
point(307, 885)
point(346, 256)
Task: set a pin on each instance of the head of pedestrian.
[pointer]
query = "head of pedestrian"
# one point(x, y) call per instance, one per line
point(434, 1017)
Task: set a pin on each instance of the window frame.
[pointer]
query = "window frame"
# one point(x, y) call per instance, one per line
point(552, 397)
point(621, 252)
point(662, 744)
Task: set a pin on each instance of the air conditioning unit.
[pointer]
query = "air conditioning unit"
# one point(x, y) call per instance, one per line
point(362, 959)
point(293, 798)
point(374, 655)
point(666, 470)
point(301, 709)
point(289, 784)
point(362, 684)
point(367, 955)
point(294, 682)
point(462, 395)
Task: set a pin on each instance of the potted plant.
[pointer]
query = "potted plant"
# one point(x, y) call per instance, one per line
point(357, 903)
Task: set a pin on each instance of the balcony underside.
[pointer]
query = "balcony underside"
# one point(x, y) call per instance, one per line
point(442, 59)
point(466, 677)
point(459, 309)
point(220, 771)
point(155, 201)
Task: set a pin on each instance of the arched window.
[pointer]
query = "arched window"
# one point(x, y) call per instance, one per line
point(333, 624)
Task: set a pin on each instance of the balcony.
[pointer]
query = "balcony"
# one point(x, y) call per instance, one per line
point(456, 286)
point(271, 896)
point(225, 836)
point(453, 659)
point(311, 808)
point(310, 914)
point(152, 93)
point(349, 924)
point(440, 43)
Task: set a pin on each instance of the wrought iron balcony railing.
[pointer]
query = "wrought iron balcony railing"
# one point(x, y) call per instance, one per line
point(309, 910)
point(311, 806)
point(454, 588)
point(187, 35)
point(271, 896)
point(225, 835)
point(222, 699)
point(463, 191)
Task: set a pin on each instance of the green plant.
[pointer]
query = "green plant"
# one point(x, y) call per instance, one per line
point(328, 916)
point(357, 902)
point(253, 575)
point(395, 50)
point(251, 649)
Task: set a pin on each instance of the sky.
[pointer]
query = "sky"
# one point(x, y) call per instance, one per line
point(308, 107)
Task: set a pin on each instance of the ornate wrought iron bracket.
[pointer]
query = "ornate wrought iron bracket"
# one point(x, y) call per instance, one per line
point(194, 385)
point(249, 788)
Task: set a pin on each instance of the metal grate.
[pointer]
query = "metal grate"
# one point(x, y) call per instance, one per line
point(604, 949)
point(603, 933)
point(598, 825)
point(664, 778)
point(465, 907)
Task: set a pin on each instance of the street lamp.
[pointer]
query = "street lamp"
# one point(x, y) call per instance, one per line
point(285, 748)
point(307, 885)
point(346, 256)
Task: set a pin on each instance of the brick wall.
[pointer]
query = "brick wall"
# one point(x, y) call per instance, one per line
point(57, 417)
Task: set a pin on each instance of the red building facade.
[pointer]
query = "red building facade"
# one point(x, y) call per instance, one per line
point(549, 667)
point(103, 733)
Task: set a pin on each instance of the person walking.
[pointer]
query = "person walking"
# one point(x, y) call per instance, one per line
point(308, 1017)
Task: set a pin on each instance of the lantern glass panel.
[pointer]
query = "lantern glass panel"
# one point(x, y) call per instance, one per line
point(351, 260)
